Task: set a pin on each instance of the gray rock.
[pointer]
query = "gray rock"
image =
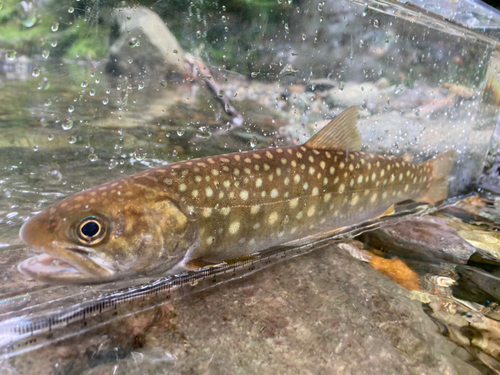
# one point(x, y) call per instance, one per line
point(142, 44)
point(428, 237)
point(322, 313)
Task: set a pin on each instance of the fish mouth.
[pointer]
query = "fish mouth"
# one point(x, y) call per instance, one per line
point(71, 266)
point(45, 267)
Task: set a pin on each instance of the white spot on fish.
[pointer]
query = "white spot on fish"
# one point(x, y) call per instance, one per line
point(274, 193)
point(234, 227)
point(373, 198)
point(244, 195)
point(206, 212)
point(182, 187)
point(306, 186)
point(209, 192)
point(327, 197)
point(354, 200)
point(198, 178)
point(258, 183)
point(311, 211)
point(296, 178)
point(287, 181)
point(273, 217)
point(194, 193)
point(360, 179)
point(283, 161)
point(341, 188)
point(225, 211)
point(294, 202)
point(311, 170)
point(315, 191)
point(215, 172)
point(254, 209)
point(256, 226)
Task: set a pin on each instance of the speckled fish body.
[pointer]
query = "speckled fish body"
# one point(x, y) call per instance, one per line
point(223, 207)
point(250, 201)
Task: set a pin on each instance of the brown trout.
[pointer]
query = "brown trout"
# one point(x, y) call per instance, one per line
point(202, 211)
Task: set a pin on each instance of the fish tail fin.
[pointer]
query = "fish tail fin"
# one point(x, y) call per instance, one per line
point(440, 171)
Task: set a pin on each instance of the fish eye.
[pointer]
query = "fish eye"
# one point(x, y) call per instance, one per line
point(91, 230)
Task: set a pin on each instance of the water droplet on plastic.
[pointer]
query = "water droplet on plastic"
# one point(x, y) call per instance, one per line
point(71, 10)
point(55, 26)
point(45, 54)
point(36, 72)
point(175, 52)
point(85, 83)
point(320, 6)
point(134, 42)
point(54, 43)
point(72, 139)
point(376, 23)
point(105, 101)
point(67, 124)
point(93, 157)
point(254, 74)
point(223, 8)
point(174, 153)
point(139, 154)
point(287, 30)
point(203, 133)
point(140, 86)
point(35, 148)
point(198, 34)
point(181, 131)
point(112, 163)
point(92, 92)
point(71, 109)
point(163, 83)
point(254, 142)
point(50, 137)
point(304, 37)
point(224, 19)
point(48, 102)
point(11, 55)
point(27, 13)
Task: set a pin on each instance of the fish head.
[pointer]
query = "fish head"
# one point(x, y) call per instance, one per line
point(105, 234)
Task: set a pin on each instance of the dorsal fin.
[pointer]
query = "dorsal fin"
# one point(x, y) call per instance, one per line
point(339, 134)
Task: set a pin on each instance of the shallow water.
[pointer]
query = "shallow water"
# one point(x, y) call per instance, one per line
point(406, 306)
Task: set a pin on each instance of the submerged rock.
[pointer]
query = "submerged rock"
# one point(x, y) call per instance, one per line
point(426, 237)
point(320, 313)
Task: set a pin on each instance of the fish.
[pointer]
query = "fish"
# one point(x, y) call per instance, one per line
point(169, 219)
